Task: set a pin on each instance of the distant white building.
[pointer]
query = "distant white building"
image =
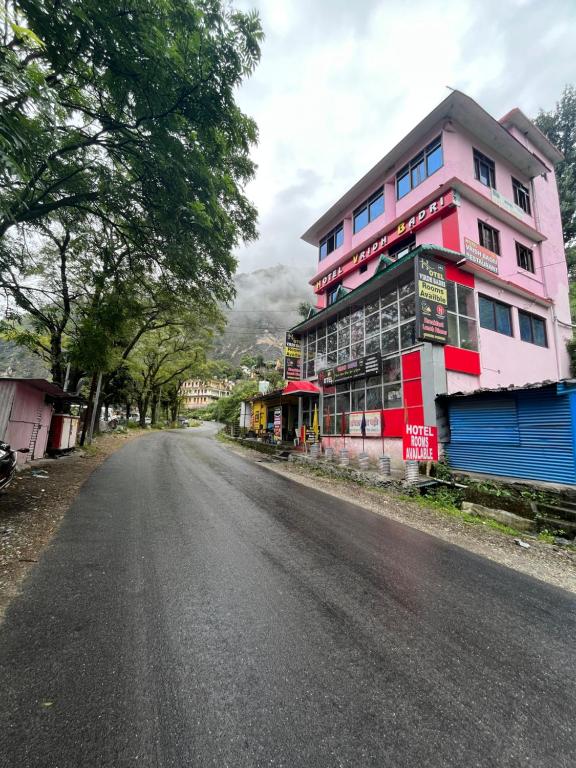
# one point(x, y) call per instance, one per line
point(197, 393)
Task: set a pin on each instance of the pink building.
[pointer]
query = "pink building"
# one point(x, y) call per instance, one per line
point(475, 200)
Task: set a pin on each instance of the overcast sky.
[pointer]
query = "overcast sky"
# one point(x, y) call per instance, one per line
point(341, 81)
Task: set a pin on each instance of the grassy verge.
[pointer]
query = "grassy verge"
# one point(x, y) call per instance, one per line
point(442, 504)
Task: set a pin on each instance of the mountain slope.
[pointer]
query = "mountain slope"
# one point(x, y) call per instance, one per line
point(266, 305)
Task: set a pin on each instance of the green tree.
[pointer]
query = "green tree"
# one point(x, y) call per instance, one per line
point(126, 115)
point(559, 126)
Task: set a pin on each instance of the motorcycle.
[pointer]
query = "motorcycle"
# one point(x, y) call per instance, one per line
point(8, 460)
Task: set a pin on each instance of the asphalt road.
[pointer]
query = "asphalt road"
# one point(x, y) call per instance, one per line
point(197, 610)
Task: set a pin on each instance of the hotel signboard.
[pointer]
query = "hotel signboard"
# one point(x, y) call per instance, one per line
point(481, 256)
point(292, 357)
point(431, 301)
point(419, 443)
point(371, 365)
point(419, 219)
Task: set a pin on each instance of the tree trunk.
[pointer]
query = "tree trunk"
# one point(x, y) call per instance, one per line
point(88, 412)
point(154, 406)
point(143, 408)
point(57, 366)
point(128, 410)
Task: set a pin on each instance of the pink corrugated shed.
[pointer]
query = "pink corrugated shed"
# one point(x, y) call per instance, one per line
point(28, 418)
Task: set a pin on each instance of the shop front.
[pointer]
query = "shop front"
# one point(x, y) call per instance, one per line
point(379, 353)
point(285, 415)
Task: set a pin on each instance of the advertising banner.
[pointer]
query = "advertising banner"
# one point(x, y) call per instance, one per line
point(278, 424)
point(371, 365)
point(419, 443)
point(481, 256)
point(292, 357)
point(373, 423)
point(431, 301)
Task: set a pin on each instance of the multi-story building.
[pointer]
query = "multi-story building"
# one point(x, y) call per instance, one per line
point(441, 271)
point(197, 393)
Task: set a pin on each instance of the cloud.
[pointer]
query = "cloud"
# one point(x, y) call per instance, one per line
point(340, 83)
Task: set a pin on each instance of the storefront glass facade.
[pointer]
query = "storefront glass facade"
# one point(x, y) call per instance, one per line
point(385, 323)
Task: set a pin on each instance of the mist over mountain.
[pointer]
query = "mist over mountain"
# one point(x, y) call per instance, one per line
point(266, 305)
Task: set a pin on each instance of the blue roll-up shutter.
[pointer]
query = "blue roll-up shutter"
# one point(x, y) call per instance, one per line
point(525, 434)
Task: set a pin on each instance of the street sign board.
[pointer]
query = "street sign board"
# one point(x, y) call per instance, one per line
point(419, 443)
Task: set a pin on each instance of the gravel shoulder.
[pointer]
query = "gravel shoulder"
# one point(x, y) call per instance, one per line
point(33, 506)
point(546, 562)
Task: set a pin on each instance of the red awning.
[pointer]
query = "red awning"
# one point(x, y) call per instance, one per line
point(300, 388)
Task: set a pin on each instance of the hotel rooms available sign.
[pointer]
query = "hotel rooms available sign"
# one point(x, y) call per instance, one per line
point(292, 357)
point(431, 301)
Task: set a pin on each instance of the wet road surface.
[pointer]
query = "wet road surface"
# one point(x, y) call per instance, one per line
point(196, 609)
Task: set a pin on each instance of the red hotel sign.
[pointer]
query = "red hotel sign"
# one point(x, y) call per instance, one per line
point(419, 443)
point(418, 220)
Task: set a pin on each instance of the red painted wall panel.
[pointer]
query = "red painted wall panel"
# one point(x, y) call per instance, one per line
point(456, 275)
point(462, 360)
point(413, 393)
point(411, 368)
point(451, 231)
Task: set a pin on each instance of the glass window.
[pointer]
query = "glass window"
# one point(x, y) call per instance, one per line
point(451, 289)
point(468, 333)
point(433, 158)
point(453, 329)
point(406, 289)
point(495, 316)
point(418, 170)
point(360, 219)
point(524, 257)
point(389, 315)
point(532, 328)
point(344, 337)
point(357, 350)
point(344, 354)
point(334, 239)
point(369, 210)
point(391, 369)
point(392, 396)
point(376, 207)
point(372, 324)
point(331, 358)
point(321, 346)
point(357, 332)
point(466, 304)
point(373, 398)
point(407, 308)
point(389, 297)
point(332, 342)
point(403, 185)
point(407, 335)
point(372, 307)
point(521, 196)
point(421, 166)
point(343, 403)
point(358, 399)
point(484, 170)
point(389, 341)
point(489, 237)
point(372, 345)
point(332, 327)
